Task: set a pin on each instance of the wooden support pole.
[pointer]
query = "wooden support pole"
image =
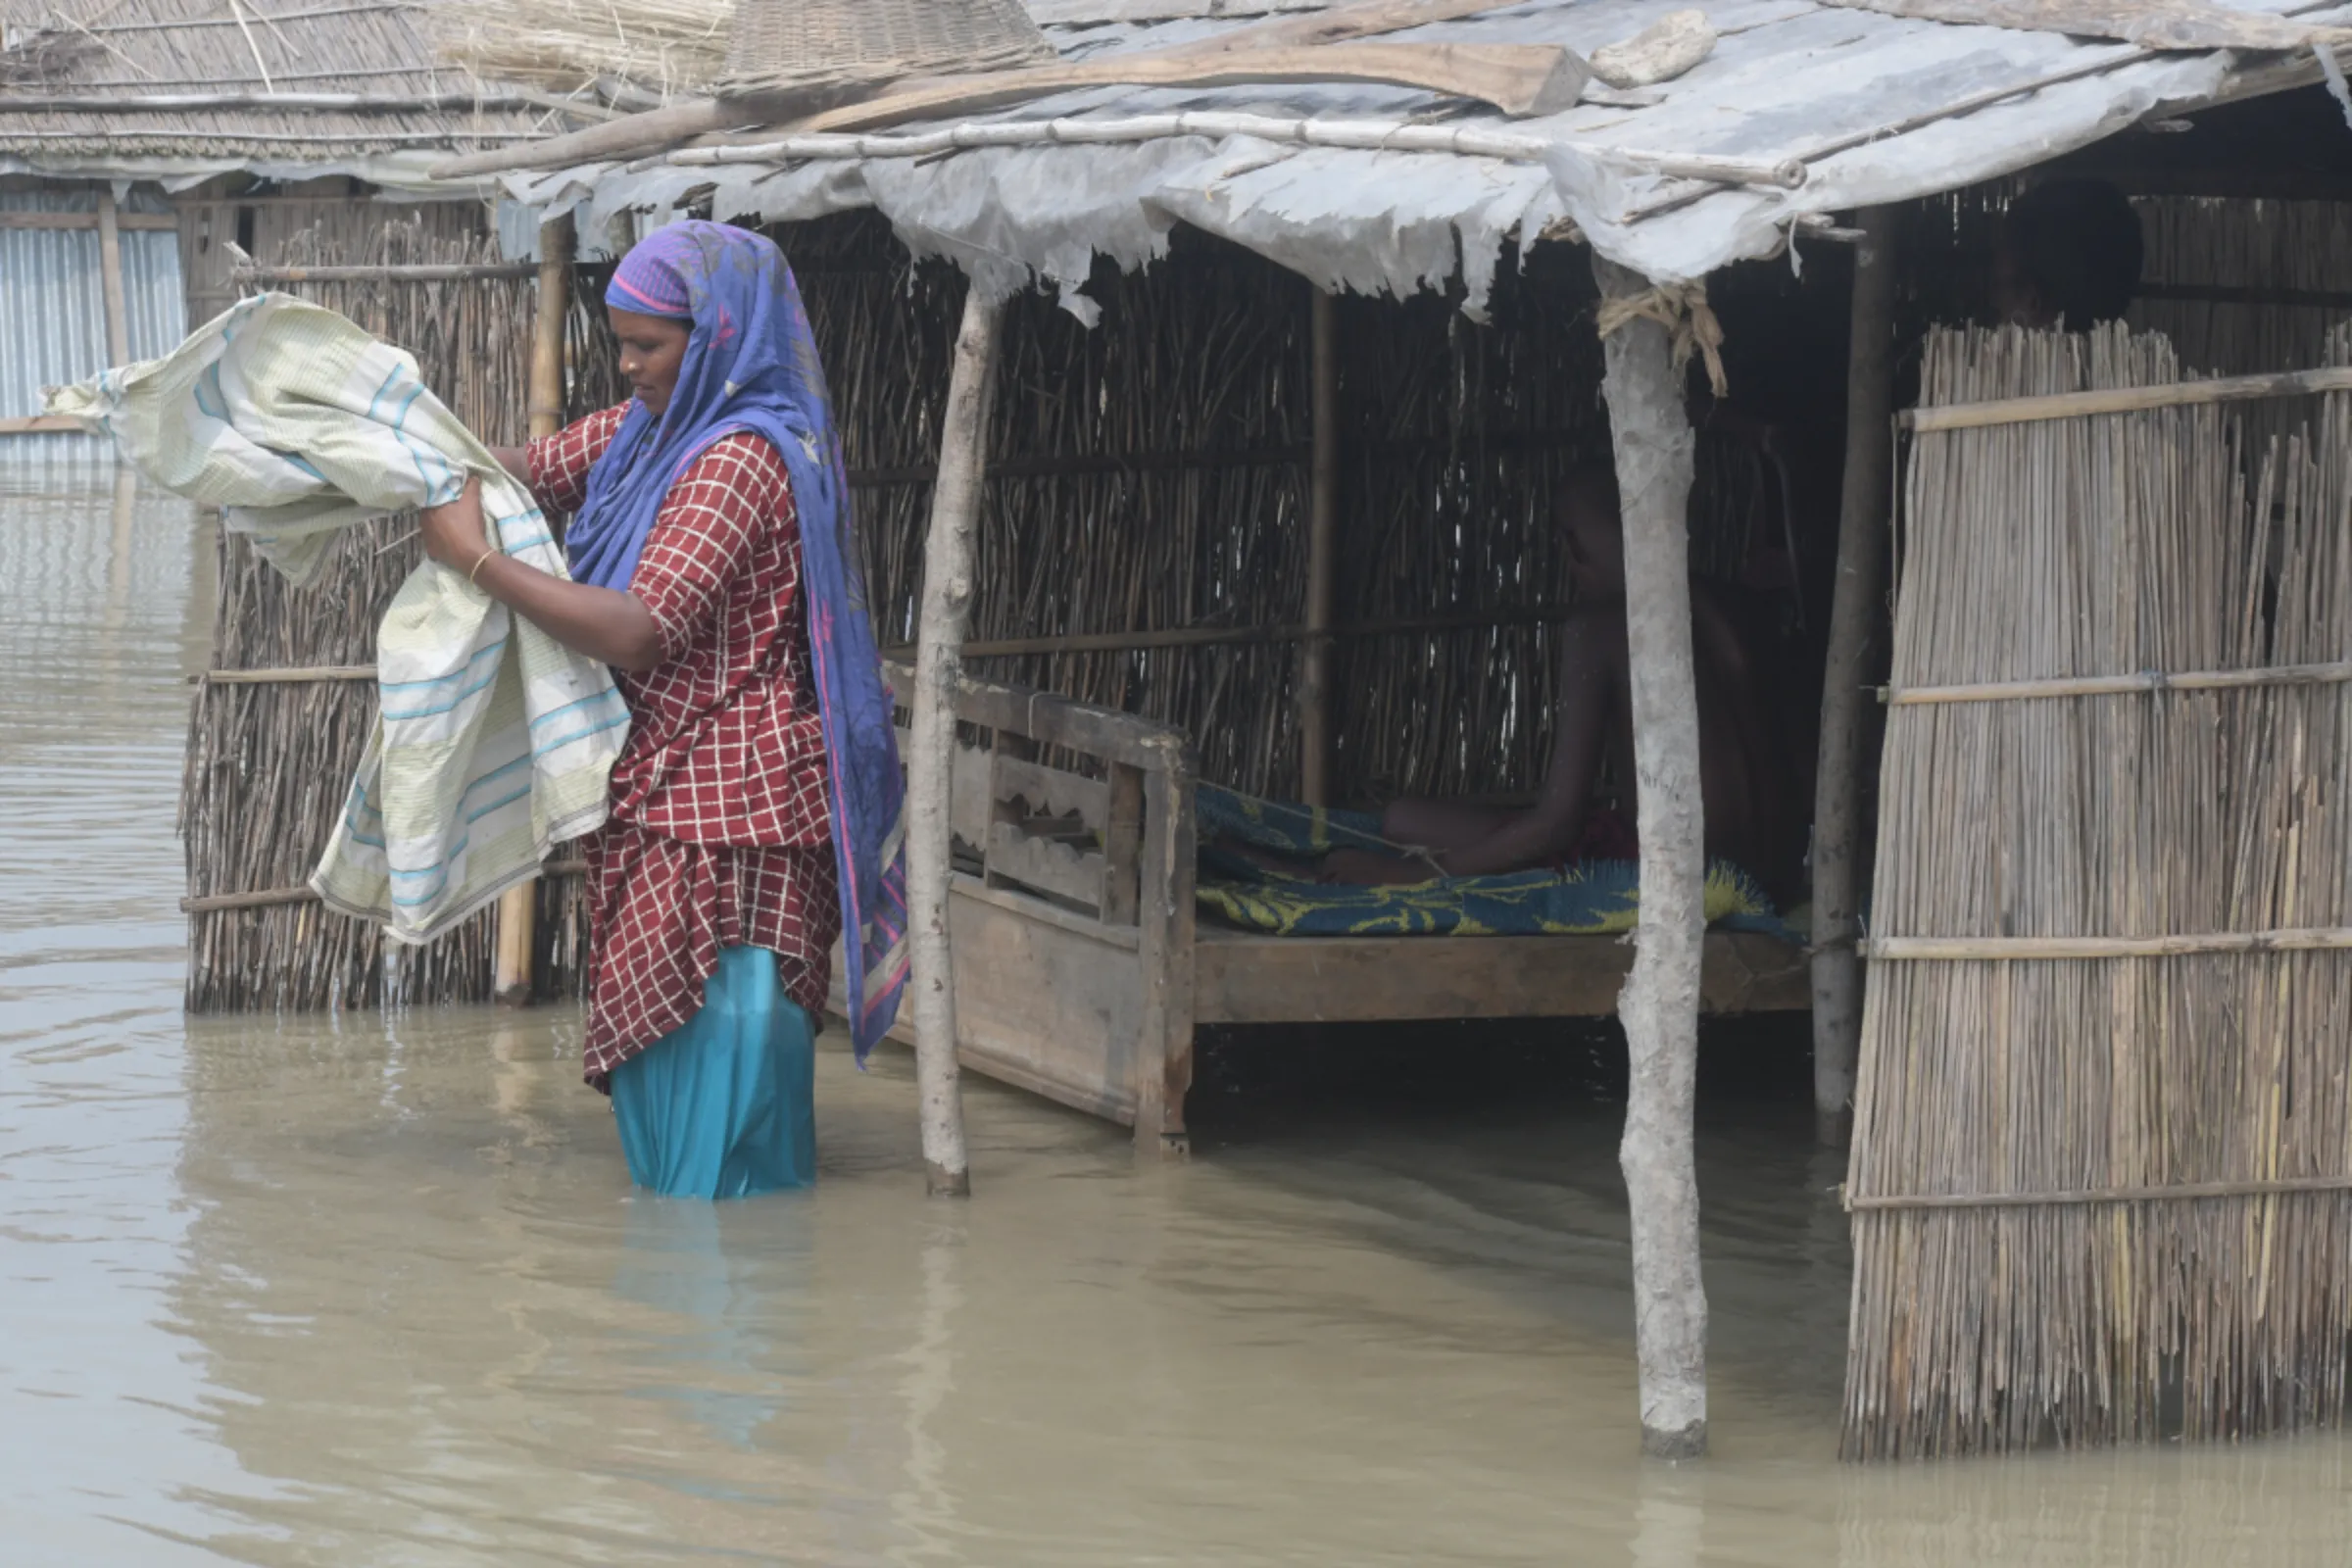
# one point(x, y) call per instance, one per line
point(1854, 604)
point(1652, 436)
point(518, 905)
point(930, 752)
point(110, 275)
point(1322, 558)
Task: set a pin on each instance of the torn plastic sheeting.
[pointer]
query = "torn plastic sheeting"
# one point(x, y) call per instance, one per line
point(1372, 223)
point(1743, 224)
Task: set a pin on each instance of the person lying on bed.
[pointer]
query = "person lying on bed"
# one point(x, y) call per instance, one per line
point(1745, 780)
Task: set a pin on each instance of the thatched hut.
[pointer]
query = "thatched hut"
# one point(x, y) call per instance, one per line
point(1211, 430)
point(1158, 527)
point(143, 145)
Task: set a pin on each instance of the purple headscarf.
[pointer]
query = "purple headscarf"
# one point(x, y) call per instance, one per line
point(751, 365)
point(651, 279)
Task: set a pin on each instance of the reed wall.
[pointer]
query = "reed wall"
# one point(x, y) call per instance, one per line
point(269, 762)
point(1150, 474)
point(2109, 1198)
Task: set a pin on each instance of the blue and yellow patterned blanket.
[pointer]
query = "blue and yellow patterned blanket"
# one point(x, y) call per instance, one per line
point(1595, 898)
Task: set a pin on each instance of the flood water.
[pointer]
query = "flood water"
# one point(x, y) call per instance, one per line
point(374, 1290)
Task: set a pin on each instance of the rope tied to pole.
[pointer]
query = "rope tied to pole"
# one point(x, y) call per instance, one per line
point(1691, 325)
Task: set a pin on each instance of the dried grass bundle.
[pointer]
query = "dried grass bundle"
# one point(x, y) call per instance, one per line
point(667, 48)
point(2014, 1281)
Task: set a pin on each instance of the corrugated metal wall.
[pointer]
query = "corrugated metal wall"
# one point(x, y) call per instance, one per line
point(53, 311)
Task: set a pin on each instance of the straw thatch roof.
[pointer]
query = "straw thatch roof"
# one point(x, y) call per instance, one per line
point(1829, 104)
point(231, 82)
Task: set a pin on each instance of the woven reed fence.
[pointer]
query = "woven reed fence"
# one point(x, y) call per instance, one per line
point(2102, 1165)
point(1147, 484)
point(1149, 480)
point(270, 755)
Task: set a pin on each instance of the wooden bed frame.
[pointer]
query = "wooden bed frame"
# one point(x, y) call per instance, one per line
point(1081, 972)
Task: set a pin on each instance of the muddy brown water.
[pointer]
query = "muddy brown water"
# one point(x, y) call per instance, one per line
point(372, 1290)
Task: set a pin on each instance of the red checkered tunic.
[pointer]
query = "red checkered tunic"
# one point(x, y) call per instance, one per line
point(720, 834)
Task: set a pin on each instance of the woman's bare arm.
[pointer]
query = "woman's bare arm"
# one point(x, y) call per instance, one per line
point(600, 623)
point(517, 461)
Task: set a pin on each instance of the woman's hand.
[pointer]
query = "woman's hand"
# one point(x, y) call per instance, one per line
point(599, 623)
point(455, 534)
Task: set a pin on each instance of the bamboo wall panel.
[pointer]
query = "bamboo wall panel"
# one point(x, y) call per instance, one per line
point(1152, 473)
point(269, 763)
point(2065, 1305)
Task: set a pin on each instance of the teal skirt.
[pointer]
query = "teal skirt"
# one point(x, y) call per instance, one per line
point(725, 1107)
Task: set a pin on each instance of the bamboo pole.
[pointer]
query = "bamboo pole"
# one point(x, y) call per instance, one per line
point(421, 273)
point(2332, 674)
point(1322, 559)
point(518, 905)
point(1838, 846)
point(110, 275)
point(76, 221)
point(1650, 434)
point(341, 103)
point(2127, 399)
point(2061, 948)
point(939, 666)
point(1367, 135)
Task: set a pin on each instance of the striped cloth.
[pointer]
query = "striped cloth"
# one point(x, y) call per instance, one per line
point(492, 741)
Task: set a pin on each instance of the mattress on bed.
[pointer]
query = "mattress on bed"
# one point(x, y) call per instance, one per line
point(1594, 898)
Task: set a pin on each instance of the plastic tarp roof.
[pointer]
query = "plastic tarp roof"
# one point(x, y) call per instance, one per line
point(1852, 93)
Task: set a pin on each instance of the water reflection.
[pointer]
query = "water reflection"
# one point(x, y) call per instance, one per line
point(374, 1290)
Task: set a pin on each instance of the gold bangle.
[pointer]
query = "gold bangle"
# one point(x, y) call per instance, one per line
point(478, 566)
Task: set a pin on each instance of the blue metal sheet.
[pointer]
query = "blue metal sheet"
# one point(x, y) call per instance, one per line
point(53, 309)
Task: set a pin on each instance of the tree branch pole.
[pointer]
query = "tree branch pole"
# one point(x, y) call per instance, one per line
point(1837, 848)
point(518, 905)
point(1322, 557)
point(946, 614)
point(1650, 433)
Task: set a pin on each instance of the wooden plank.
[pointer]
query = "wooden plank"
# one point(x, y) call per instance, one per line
point(1245, 977)
point(1519, 79)
point(1046, 865)
point(1030, 906)
point(1123, 847)
point(2125, 400)
point(618, 138)
point(1163, 1048)
point(971, 801)
point(1052, 791)
point(1056, 720)
point(88, 220)
point(39, 424)
point(1044, 1007)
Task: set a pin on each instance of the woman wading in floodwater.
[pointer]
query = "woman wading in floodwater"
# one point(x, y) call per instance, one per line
point(758, 798)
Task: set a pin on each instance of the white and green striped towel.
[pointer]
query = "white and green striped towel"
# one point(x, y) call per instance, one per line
point(492, 741)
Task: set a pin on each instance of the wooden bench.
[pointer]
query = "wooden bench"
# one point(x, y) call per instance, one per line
point(1081, 970)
